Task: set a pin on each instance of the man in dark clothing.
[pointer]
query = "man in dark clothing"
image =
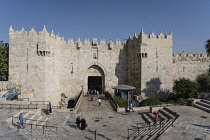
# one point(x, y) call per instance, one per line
point(83, 124)
point(78, 121)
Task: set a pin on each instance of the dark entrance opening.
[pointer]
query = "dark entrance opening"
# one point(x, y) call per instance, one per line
point(71, 103)
point(95, 83)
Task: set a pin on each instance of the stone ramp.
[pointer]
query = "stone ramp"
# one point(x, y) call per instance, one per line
point(88, 105)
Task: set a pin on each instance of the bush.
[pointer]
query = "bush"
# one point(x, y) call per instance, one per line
point(185, 88)
point(120, 101)
point(150, 101)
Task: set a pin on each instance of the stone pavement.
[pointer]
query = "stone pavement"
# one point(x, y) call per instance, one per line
point(193, 124)
point(108, 124)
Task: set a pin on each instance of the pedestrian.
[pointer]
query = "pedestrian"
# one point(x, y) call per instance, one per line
point(91, 97)
point(83, 124)
point(21, 117)
point(131, 107)
point(127, 110)
point(50, 107)
point(99, 101)
point(78, 121)
point(98, 93)
point(156, 117)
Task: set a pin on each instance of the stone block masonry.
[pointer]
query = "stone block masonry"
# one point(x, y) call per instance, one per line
point(51, 69)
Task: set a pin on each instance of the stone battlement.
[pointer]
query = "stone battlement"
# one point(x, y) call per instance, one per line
point(151, 35)
point(44, 34)
point(190, 57)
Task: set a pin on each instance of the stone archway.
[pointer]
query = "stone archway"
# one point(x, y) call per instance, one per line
point(95, 79)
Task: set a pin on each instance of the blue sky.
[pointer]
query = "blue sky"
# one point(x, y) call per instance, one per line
point(189, 20)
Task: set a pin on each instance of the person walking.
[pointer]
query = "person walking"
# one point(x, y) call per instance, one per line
point(50, 107)
point(99, 102)
point(156, 117)
point(78, 121)
point(21, 117)
point(131, 107)
point(83, 124)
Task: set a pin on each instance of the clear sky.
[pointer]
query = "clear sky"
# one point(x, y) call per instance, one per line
point(189, 20)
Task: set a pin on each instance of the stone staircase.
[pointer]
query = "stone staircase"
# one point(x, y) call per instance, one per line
point(151, 130)
point(203, 104)
point(36, 126)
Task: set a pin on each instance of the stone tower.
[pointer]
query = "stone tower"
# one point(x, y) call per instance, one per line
point(150, 63)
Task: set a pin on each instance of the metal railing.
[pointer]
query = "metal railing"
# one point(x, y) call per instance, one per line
point(36, 121)
point(19, 106)
point(45, 131)
point(149, 129)
point(23, 99)
point(40, 102)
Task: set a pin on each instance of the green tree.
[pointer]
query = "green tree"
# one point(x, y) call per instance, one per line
point(203, 81)
point(3, 60)
point(185, 87)
point(207, 46)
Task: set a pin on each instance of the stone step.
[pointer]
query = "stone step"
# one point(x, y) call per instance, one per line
point(146, 118)
point(35, 119)
point(151, 116)
point(202, 107)
point(205, 101)
point(156, 131)
point(29, 117)
point(42, 120)
point(16, 117)
point(165, 113)
point(174, 114)
point(203, 104)
point(161, 116)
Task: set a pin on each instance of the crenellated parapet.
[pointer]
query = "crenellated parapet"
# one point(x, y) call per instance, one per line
point(151, 35)
point(32, 34)
point(190, 57)
point(45, 35)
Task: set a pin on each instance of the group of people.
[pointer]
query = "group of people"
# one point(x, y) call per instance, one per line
point(93, 92)
point(81, 123)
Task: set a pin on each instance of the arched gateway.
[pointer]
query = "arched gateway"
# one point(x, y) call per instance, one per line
point(95, 79)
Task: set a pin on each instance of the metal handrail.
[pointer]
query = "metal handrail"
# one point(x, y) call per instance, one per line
point(31, 120)
point(139, 129)
point(20, 106)
point(43, 102)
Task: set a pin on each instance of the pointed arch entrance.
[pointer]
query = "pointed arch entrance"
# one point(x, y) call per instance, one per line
point(95, 78)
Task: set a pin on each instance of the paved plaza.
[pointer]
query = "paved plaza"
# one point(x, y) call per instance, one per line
point(193, 124)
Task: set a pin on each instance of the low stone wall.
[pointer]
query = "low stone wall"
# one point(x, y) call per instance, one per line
point(146, 108)
point(141, 109)
point(78, 104)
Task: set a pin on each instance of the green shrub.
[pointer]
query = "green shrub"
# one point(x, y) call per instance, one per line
point(181, 99)
point(120, 101)
point(150, 101)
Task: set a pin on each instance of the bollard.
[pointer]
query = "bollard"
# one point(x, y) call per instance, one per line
point(150, 129)
point(95, 134)
point(12, 120)
point(31, 130)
